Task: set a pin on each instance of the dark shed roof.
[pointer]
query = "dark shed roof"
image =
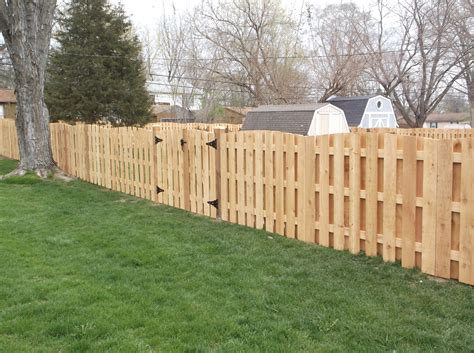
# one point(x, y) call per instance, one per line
point(295, 118)
point(353, 107)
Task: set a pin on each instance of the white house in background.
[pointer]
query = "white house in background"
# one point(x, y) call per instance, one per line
point(366, 111)
point(448, 121)
point(302, 119)
point(162, 93)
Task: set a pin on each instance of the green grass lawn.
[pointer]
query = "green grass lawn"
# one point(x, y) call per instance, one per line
point(84, 269)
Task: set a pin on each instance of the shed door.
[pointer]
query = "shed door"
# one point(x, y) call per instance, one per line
point(378, 120)
point(2, 113)
point(323, 124)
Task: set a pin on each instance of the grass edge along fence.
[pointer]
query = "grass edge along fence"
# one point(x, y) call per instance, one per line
point(405, 198)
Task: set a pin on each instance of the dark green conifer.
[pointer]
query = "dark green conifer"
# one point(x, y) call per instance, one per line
point(96, 72)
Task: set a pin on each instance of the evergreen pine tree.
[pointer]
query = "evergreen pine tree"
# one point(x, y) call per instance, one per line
point(96, 72)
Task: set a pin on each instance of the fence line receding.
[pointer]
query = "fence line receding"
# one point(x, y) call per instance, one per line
point(399, 194)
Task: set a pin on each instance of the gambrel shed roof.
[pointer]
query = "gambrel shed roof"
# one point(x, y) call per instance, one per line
point(353, 107)
point(294, 118)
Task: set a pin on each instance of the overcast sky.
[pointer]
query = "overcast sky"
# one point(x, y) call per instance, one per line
point(146, 12)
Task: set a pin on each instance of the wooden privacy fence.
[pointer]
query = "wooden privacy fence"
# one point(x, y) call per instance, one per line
point(405, 198)
point(8, 139)
point(169, 166)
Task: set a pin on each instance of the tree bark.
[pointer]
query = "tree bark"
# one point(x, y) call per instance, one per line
point(26, 27)
point(32, 125)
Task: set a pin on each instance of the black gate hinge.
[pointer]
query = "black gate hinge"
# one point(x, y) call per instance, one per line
point(158, 140)
point(214, 203)
point(182, 142)
point(159, 190)
point(212, 143)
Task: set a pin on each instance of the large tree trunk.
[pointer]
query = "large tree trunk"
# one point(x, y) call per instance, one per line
point(32, 125)
point(26, 27)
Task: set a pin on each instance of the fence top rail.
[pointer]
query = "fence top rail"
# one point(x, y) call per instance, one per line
point(422, 132)
point(425, 133)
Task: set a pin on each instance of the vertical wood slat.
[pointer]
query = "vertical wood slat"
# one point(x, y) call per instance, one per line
point(214, 173)
point(309, 204)
point(249, 186)
point(289, 206)
point(192, 169)
point(205, 173)
point(177, 195)
point(197, 172)
point(323, 190)
point(430, 164)
point(389, 202)
point(371, 198)
point(259, 181)
point(409, 201)
point(156, 166)
point(171, 187)
point(301, 191)
point(269, 181)
point(231, 138)
point(354, 194)
point(339, 192)
point(224, 161)
point(127, 165)
point(107, 156)
point(219, 192)
point(444, 177)
point(466, 238)
point(241, 176)
point(186, 171)
point(279, 196)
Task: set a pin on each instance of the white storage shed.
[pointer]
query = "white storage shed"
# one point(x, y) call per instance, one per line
point(303, 119)
point(367, 111)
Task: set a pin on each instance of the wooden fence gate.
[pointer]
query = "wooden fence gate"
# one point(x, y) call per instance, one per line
point(185, 169)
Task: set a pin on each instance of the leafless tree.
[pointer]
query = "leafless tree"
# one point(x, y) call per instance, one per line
point(175, 63)
point(464, 27)
point(335, 52)
point(252, 45)
point(150, 49)
point(415, 63)
point(26, 27)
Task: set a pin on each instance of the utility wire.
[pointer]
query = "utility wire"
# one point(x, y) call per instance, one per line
point(311, 56)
